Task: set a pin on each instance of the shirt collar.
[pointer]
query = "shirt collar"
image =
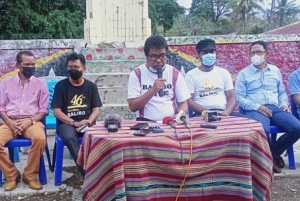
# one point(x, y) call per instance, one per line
point(254, 69)
point(17, 78)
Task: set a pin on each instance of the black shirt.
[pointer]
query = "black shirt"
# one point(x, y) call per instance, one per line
point(76, 101)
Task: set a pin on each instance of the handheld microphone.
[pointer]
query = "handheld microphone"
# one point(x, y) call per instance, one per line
point(169, 121)
point(210, 116)
point(112, 122)
point(159, 75)
point(182, 117)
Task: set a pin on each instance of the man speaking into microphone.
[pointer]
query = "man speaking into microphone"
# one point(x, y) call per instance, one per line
point(156, 89)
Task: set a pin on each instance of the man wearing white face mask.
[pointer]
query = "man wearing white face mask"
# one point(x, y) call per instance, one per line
point(261, 93)
point(211, 87)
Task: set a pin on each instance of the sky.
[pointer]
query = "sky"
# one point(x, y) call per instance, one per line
point(187, 3)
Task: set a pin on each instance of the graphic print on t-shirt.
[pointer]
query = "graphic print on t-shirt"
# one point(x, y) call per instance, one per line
point(208, 88)
point(77, 106)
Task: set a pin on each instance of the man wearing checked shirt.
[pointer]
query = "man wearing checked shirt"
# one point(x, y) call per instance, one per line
point(24, 103)
point(260, 92)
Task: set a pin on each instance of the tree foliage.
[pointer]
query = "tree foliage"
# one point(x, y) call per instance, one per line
point(39, 19)
point(163, 13)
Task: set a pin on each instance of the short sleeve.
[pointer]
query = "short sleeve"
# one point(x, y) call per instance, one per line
point(190, 82)
point(134, 87)
point(57, 100)
point(228, 81)
point(96, 101)
point(181, 90)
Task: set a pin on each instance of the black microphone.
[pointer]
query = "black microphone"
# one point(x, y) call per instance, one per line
point(210, 115)
point(182, 117)
point(112, 122)
point(159, 75)
point(169, 121)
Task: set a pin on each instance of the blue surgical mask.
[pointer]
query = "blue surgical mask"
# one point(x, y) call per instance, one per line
point(152, 70)
point(208, 60)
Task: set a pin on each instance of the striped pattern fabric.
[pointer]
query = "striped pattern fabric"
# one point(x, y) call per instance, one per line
point(232, 162)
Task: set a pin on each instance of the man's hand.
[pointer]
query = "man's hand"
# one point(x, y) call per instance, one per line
point(265, 111)
point(24, 124)
point(223, 113)
point(14, 126)
point(285, 108)
point(159, 84)
point(85, 122)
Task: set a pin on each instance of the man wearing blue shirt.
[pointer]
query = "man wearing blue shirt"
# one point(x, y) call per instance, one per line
point(294, 83)
point(260, 92)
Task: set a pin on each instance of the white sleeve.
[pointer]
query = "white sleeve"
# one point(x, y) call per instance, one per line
point(181, 90)
point(228, 81)
point(134, 87)
point(190, 83)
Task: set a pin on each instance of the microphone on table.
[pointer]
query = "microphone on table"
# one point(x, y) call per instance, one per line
point(210, 115)
point(182, 117)
point(159, 71)
point(169, 121)
point(112, 122)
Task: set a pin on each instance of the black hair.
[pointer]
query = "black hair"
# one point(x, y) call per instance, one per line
point(75, 56)
point(262, 43)
point(156, 42)
point(20, 54)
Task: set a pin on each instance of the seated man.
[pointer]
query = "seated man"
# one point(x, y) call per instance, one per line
point(294, 83)
point(24, 103)
point(261, 93)
point(75, 103)
point(211, 87)
point(144, 85)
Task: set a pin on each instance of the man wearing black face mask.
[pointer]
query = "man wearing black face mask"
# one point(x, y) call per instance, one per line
point(24, 101)
point(75, 103)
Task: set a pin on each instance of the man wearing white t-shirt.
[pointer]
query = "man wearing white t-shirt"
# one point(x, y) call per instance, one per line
point(211, 87)
point(144, 85)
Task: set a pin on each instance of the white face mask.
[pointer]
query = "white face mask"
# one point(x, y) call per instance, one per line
point(257, 59)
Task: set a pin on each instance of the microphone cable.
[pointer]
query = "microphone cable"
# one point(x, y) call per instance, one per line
point(189, 165)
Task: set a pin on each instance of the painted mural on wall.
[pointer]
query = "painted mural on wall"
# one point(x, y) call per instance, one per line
point(50, 57)
point(235, 56)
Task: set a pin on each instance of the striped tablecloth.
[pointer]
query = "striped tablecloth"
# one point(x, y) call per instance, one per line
point(232, 162)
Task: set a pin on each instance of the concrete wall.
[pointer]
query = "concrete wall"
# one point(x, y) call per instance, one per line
point(116, 20)
point(109, 68)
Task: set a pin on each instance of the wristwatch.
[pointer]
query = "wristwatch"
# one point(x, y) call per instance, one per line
point(72, 123)
point(33, 121)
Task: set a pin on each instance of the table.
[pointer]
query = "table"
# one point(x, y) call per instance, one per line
point(232, 162)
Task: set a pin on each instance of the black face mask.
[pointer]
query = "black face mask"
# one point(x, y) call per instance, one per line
point(28, 71)
point(75, 74)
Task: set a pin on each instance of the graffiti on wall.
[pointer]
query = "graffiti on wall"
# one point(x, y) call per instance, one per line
point(235, 56)
point(50, 56)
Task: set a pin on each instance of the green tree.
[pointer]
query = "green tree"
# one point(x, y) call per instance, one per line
point(212, 10)
point(38, 19)
point(163, 13)
point(286, 10)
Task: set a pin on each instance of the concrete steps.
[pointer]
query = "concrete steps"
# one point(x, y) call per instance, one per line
point(109, 68)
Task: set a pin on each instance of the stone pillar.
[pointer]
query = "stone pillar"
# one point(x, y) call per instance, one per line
point(116, 21)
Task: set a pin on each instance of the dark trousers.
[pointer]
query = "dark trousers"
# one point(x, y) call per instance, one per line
point(69, 136)
point(285, 121)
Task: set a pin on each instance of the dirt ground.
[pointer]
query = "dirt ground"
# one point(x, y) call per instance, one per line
point(285, 188)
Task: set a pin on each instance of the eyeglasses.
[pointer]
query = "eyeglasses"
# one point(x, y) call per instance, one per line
point(257, 52)
point(155, 57)
point(74, 67)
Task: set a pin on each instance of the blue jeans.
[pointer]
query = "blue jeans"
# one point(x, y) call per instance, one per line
point(285, 121)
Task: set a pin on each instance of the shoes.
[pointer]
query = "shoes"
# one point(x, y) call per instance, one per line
point(279, 161)
point(11, 185)
point(276, 169)
point(33, 184)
